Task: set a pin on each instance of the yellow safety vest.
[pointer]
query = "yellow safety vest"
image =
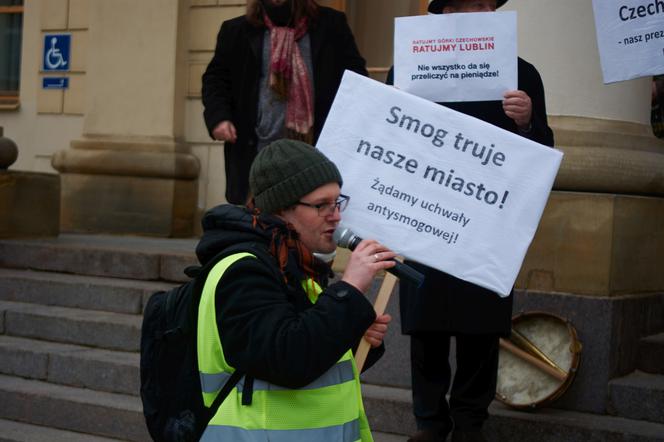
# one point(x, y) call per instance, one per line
point(328, 409)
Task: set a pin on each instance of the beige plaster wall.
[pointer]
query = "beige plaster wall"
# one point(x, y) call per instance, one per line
point(132, 68)
point(559, 38)
point(46, 121)
point(137, 69)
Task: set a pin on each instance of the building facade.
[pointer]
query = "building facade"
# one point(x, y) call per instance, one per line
point(126, 139)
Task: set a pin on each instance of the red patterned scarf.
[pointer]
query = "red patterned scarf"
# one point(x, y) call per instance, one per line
point(285, 243)
point(289, 78)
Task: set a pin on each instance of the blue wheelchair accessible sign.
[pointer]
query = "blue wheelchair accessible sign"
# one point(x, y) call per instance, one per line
point(56, 52)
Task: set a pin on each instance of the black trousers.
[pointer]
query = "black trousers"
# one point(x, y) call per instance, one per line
point(473, 388)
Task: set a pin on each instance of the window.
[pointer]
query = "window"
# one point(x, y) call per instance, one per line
point(11, 28)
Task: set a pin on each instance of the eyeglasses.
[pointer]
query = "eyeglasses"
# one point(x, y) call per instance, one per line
point(326, 209)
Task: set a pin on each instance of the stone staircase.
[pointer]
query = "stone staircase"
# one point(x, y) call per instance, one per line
point(640, 394)
point(70, 316)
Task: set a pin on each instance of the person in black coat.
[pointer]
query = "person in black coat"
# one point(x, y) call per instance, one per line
point(246, 102)
point(446, 306)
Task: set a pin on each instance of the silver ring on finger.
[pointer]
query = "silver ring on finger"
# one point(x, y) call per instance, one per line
point(376, 257)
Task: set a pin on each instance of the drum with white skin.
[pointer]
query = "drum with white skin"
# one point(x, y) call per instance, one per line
point(538, 362)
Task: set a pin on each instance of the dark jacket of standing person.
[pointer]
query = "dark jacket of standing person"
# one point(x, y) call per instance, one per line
point(231, 83)
point(446, 306)
point(462, 306)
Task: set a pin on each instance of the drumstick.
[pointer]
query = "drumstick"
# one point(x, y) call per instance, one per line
point(525, 344)
point(516, 351)
point(382, 299)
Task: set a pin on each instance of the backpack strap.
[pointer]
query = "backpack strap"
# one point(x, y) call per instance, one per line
point(223, 393)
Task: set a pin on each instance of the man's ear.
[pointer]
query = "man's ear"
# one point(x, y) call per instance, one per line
point(281, 212)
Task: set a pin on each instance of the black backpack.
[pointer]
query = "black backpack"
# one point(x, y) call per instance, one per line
point(170, 383)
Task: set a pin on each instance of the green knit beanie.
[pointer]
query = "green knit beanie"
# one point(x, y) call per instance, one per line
point(286, 170)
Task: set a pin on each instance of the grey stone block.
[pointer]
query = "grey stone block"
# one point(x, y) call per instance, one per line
point(651, 354)
point(389, 411)
point(638, 396)
point(386, 437)
point(551, 425)
point(609, 329)
point(87, 292)
point(22, 357)
point(54, 257)
point(12, 431)
point(114, 331)
point(102, 370)
point(102, 255)
point(73, 409)
point(173, 265)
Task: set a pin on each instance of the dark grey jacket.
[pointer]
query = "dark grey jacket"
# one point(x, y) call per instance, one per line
point(445, 303)
point(230, 84)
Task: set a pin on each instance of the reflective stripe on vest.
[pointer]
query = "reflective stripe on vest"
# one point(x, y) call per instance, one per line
point(349, 432)
point(337, 374)
point(328, 409)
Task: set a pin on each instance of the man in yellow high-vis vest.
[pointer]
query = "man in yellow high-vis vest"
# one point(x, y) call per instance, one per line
point(272, 316)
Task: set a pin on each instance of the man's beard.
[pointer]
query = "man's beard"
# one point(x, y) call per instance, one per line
point(281, 14)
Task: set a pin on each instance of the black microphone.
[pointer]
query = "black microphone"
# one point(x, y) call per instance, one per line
point(345, 238)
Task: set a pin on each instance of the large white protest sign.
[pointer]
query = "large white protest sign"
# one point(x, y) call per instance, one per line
point(439, 187)
point(630, 37)
point(456, 57)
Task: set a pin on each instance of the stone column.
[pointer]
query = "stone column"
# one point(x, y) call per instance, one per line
point(130, 172)
point(597, 256)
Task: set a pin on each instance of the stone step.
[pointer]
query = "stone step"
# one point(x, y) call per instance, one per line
point(552, 425)
point(84, 292)
point(106, 330)
point(385, 437)
point(638, 396)
point(12, 431)
point(98, 255)
point(66, 364)
point(72, 409)
point(389, 411)
point(15, 431)
point(651, 354)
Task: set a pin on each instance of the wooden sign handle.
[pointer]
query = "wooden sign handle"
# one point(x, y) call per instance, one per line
point(384, 293)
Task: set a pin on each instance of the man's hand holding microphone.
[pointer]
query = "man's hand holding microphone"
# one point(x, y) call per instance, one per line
point(367, 259)
point(345, 238)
